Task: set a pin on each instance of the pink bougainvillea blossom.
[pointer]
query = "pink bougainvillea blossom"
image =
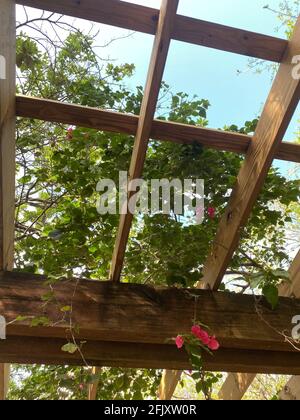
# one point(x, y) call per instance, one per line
point(196, 330)
point(70, 133)
point(211, 212)
point(179, 341)
point(213, 344)
point(203, 336)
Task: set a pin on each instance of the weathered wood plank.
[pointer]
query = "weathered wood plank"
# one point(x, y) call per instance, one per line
point(135, 313)
point(32, 350)
point(276, 116)
point(148, 108)
point(237, 385)
point(186, 29)
point(63, 113)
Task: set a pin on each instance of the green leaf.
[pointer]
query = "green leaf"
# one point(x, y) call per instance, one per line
point(70, 348)
point(40, 321)
point(66, 309)
point(271, 294)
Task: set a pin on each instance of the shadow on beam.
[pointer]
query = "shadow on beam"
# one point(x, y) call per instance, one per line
point(30, 350)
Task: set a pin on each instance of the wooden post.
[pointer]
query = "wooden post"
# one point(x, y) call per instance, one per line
point(7, 148)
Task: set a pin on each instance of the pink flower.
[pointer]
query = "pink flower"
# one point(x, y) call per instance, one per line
point(211, 212)
point(179, 342)
point(201, 334)
point(196, 330)
point(70, 133)
point(213, 344)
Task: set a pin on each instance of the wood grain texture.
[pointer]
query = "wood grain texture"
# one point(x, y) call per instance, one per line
point(33, 350)
point(140, 314)
point(148, 108)
point(278, 111)
point(236, 386)
point(144, 19)
point(115, 122)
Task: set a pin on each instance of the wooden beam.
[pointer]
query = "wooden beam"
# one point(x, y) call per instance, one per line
point(168, 384)
point(237, 385)
point(7, 149)
point(33, 350)
point(115, 122)
point(229, 39)
point(141, 314)
point(186, 29)
point(291, 391)
point(275, 119)
point(148, 108)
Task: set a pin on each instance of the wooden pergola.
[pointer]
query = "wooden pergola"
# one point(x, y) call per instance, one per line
point(128, 325)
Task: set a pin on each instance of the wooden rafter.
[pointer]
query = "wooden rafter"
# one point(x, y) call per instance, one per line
point(168, 384)
point(148, 108)
point(186, 29)
point(93, 388)
point(7, 151)
point(116, 122)
point(278, 111)
point(236, 385)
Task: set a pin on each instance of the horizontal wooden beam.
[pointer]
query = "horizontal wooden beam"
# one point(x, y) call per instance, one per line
point(32, 350)
point(141, 314)
point(186, 29)
point(115, 122)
